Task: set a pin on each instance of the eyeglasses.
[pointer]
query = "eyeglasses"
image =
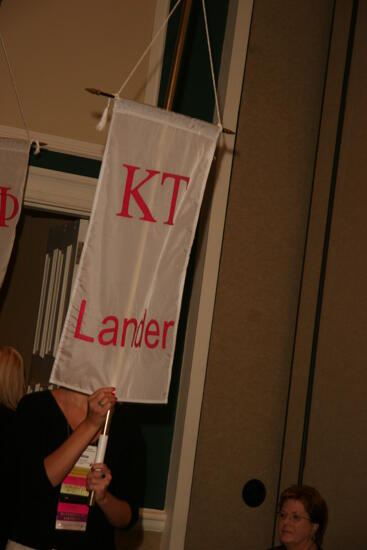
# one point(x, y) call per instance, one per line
point(294, 518)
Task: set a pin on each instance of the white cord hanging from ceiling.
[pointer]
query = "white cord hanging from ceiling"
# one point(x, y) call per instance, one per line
point(20, 106)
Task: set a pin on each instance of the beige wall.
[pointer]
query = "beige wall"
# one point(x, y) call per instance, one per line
point(255, 316)
point(336, 458)
point(264, 336)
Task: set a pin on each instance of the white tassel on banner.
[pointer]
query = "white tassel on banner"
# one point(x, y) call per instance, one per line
point(37, 147)
point(102, 123)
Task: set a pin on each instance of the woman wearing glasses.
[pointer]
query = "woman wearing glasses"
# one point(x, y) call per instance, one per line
point(302, 518)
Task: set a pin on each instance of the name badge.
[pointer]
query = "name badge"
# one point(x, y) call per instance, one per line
point(72, 507)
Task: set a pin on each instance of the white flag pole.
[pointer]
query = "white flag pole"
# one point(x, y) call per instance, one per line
point(101, 448)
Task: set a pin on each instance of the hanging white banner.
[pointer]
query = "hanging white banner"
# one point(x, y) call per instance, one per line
point(120, 329)
point(14, 157)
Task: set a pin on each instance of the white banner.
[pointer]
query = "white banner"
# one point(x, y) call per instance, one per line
point(121, 325)
point(14, 157)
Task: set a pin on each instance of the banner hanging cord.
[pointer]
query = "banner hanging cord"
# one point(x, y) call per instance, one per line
point(20, 106)
point(149, 47)
point(102, 122)
point(211, 65)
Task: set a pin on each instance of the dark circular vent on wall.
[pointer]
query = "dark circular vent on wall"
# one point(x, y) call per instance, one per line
point(254, 493)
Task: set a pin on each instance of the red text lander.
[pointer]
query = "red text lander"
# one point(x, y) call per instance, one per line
point(129, 332)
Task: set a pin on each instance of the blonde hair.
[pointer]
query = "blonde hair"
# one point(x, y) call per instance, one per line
point(11, 377)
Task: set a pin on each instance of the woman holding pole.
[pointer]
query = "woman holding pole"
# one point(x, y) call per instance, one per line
point(56, 432)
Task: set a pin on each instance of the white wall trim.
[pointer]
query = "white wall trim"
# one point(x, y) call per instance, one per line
point(198, 331)
point(152, 520)
point(59, 192)
point(57, 143)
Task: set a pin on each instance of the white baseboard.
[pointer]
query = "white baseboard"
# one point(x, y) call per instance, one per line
point(152, 520)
